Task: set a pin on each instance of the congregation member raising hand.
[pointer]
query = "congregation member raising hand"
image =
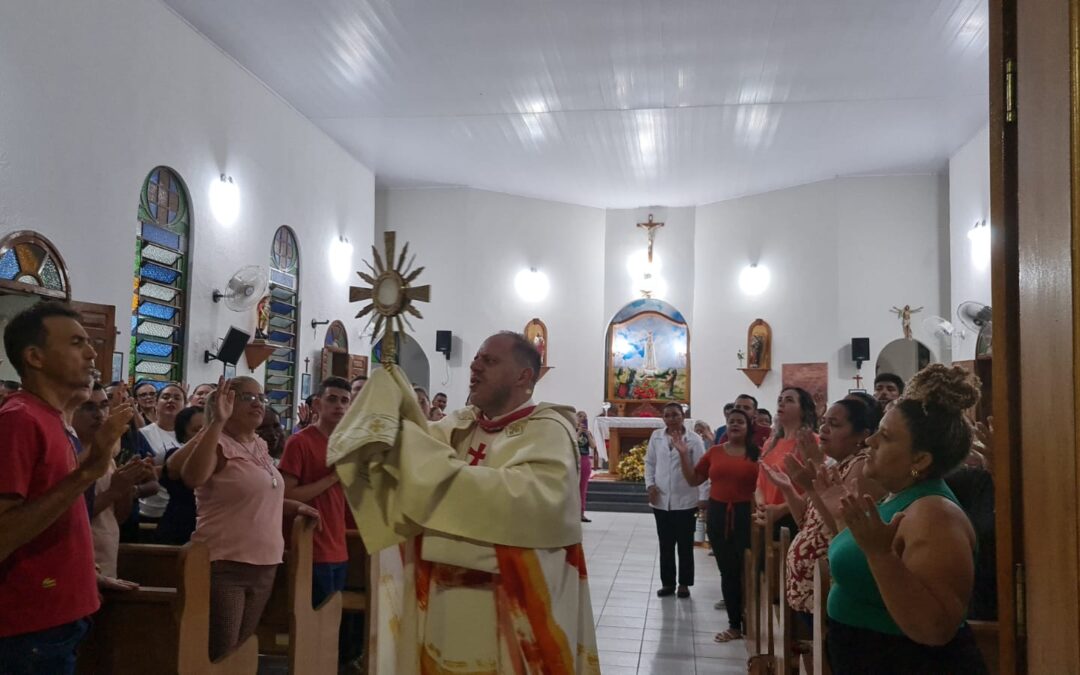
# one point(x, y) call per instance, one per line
point(903, 569)
point(240, 499)
point(795, 412)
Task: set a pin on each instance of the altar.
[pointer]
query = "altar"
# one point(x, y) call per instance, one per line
point(620, 434)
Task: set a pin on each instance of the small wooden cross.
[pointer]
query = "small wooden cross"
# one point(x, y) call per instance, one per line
point(858, 380)
point(477, 455)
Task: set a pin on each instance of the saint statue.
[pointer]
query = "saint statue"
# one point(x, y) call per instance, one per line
point(650, 355)
point(262, 324)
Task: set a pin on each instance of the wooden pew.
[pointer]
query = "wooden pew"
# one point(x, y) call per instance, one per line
point(159, 629)
point(821, 603)
point(355, 640)
point(752, 592)
point(986, 636)
point(787, 661)
point(290, 626)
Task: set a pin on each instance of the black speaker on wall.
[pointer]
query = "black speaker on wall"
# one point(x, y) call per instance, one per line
point(860, 350)
point(443, 339)
point(232, 347)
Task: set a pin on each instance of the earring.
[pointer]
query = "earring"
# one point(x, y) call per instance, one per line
point(915, 473)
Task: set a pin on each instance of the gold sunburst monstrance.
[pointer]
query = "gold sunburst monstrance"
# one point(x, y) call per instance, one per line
point(389, 294)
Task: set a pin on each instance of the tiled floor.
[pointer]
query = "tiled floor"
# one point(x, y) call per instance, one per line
point(638, 633)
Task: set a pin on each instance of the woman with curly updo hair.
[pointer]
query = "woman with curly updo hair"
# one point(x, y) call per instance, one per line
point(903, 568)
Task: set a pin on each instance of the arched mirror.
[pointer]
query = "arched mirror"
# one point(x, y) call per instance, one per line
point(903, 357)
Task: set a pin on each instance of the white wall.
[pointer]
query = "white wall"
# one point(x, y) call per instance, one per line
point(472, 244)
point(673, 249)
point(95, 95)
point(841, 253)
point(969, 203)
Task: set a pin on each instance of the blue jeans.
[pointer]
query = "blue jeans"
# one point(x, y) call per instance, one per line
point(326, 579)
point(45, 652)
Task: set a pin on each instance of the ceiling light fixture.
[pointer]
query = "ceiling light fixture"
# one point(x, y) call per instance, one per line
point(225, 200)
point(754, 279)
point(979, 235)
point(340, 258)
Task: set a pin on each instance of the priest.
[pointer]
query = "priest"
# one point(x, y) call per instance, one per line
point(473, 523)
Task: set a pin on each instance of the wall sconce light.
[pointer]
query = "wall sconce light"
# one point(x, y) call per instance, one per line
point(532, 285)
point(754, 279)
point(225, 200)
point(340, 258)
point(979, 235)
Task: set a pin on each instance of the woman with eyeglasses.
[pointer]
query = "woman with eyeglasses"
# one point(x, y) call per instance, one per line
point(240, 499)
point(161, 437)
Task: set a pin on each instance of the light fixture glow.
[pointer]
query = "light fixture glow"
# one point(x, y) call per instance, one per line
point(532, 285)
point(225, 200)
point(979, 235)
point(754, 279)
point(340, 258)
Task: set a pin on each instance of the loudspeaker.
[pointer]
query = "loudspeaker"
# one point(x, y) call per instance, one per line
point(442, 342)
point(232, 347)
point(860, 349)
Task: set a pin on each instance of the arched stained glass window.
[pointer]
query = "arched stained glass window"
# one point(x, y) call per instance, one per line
point(160, 283)
point(337, 337)
point(29, 263)
point(284, 319)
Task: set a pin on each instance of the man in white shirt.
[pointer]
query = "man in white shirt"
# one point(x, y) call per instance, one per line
point(674, 502)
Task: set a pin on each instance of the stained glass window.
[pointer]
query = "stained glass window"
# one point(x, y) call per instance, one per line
point(337, 337)
point(29, 259)
point(160, 281)
point(284, 317)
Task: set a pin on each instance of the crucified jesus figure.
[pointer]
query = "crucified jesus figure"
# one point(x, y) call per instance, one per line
point(905, 317)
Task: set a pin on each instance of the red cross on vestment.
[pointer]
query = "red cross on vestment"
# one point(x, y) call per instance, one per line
point(477, 455)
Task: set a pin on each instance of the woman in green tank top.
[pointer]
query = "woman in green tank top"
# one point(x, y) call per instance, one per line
point(903, 569)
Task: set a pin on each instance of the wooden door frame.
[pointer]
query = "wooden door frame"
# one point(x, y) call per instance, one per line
point(1005, 275)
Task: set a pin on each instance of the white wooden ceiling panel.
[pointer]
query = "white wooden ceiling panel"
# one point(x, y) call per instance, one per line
point(621, 102)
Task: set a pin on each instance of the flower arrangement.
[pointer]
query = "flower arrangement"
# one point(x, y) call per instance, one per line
point(632, 466)
point(645, 392)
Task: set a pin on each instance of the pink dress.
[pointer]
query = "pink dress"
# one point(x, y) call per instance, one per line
point(239, 510)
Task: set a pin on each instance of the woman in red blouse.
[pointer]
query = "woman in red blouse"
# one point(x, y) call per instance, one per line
point(732, 470)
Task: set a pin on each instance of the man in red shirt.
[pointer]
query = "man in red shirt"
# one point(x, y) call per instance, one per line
point(760, 433)
point(309, 480)
point(48, 585)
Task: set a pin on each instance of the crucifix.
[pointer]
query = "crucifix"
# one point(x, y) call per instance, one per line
point(858, 380)
point(650, 228)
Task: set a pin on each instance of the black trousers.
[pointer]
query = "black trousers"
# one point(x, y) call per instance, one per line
point(728, 527)
point(675, 529)
point(858, 651)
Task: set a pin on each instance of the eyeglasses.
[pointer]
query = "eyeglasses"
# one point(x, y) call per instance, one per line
point(248, 397)
point(170, 397)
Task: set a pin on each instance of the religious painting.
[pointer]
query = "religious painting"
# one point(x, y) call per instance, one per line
point(536, 333)
point(648, 356)
point(813, 377)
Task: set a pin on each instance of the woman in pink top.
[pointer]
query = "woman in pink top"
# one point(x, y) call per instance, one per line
point(795, 412)
point(240, 499)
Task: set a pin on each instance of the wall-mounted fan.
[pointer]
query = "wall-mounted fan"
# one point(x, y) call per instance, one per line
point(943, 330)
point(244, 289)
point(979, 320)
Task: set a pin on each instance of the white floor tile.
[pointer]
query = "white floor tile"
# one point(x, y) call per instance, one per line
point(638, 632)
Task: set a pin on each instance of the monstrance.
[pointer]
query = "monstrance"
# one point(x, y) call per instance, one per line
point(390, 295)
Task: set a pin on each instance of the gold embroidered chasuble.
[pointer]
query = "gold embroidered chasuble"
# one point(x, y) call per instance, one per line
point(475, 536)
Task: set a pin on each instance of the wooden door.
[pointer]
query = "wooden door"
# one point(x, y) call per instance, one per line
point(99, 321)
point(1035, 173)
